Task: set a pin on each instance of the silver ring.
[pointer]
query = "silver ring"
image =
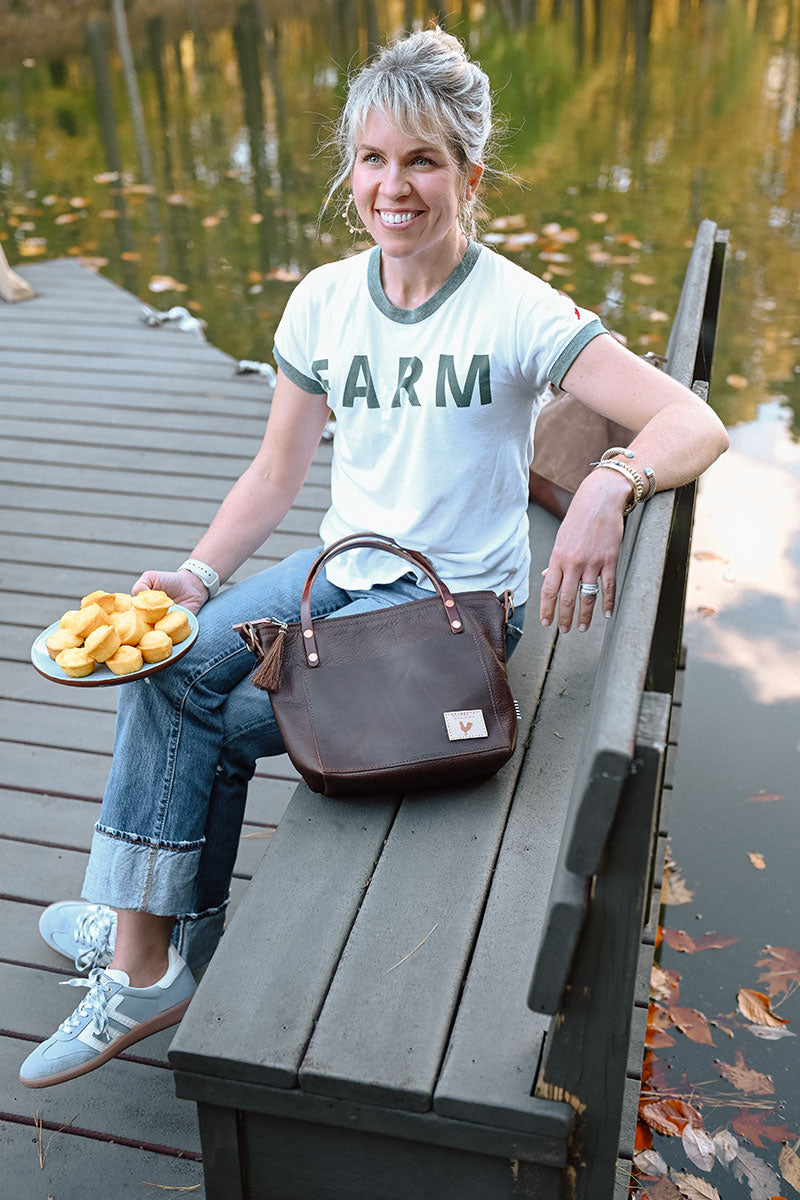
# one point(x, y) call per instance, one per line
point(589, 589)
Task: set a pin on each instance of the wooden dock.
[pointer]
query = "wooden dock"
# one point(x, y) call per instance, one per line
point(119, 441)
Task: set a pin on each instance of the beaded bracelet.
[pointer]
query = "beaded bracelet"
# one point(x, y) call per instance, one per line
point(633, 478)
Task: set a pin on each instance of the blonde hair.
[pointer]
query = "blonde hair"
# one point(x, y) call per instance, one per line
point(427, 84)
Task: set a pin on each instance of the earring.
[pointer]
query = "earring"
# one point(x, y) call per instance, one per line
point(346, 216)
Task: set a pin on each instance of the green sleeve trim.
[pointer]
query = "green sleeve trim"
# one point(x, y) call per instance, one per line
point(306, 382)
point(568, 355)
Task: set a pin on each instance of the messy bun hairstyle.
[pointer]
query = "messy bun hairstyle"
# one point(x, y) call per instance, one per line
point(430, 88)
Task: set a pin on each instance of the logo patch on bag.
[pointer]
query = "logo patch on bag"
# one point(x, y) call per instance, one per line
point(466, 723)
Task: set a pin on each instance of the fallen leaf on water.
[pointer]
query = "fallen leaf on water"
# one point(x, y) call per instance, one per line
point(554, 256)
point(165, 283)
point(657, 1039)
point(719, 1023)
point(79, 202)
point(694, 1188)
point(760, 1178)
point(674, 889)
point(744, 1078)
point(629, 239)
point(751, 1123)
point(726, 1146)
point(599, 218)
point(705, 610)
point(514, 221)
point(624, 260)
point(177, 199)
point(67, 218)
point(782, 969)
point(693, 1024)
point(669, 1116)
point(93, 262)
point(755, 1006)
point(683, 942)
point(699, 1147)
point(139, 189)
point(644, 1137)
point(649, 1162)
point(789, 1166)
point(714, 941)
point(640, 278)
point(664, 984)
point(708, 556)
point(106, 177)
point(210, 222)
point(658, 315)
point(109, 214)
point(32, 247)
point(663, 1189)
point(131, 256)
point(737, 381)
point(765, 797)
point(256, 218)
point(770, 1033)
point(758, 860)
point(284, 275)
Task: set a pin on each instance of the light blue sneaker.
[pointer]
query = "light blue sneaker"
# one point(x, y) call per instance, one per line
point(112, 1017)
point(86, 933)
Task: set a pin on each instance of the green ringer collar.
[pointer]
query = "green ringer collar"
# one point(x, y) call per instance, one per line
point(411, 316)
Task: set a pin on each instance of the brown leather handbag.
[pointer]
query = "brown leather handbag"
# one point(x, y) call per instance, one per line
point(407, 697)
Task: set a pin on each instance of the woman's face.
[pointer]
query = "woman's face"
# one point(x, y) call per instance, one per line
point(407, 192)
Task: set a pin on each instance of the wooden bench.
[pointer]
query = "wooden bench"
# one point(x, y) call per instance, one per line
point(431, 997)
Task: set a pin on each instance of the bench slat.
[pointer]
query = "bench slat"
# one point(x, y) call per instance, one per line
point(491, 1063)
point(256, 1023)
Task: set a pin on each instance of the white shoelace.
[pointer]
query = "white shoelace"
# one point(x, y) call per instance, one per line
point(95, 1005)
point(94, 929)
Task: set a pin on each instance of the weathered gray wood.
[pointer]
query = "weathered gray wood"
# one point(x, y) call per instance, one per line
point(80, 1166)
point(310, 886)
point(491, 1065)
point(349, 1164)
point(222, 1167)
point(581, 1064)
point(623, 667)
point(126, 1096)
point(84, 416)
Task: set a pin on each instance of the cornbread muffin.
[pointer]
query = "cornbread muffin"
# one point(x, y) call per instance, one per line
point(76, 662)
point(131, 626)
point(62, 640)
point(104, 599)
point(102, 643)
point(175, 625)
point(155, 646)
point(87, 620)
point(68, 618)
point(127, 660)
point(152, 604)
point(122, 601)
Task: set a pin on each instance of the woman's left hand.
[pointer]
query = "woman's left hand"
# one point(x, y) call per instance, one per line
point(586, 551)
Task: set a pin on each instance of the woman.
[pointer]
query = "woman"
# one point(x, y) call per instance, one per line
point(433, 352)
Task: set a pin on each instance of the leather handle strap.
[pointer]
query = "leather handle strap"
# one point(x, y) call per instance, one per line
point(369, 541)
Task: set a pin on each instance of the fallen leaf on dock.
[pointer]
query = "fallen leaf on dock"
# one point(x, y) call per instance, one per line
point(744, 1078)
point(758, 860)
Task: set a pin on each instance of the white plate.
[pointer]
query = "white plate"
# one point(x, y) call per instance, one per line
point(103, 676)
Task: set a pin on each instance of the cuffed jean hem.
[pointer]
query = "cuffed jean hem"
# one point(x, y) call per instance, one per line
point(196, 935)
point(124, 871)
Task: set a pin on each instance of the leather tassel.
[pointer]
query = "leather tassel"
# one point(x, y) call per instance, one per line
point(268, 672)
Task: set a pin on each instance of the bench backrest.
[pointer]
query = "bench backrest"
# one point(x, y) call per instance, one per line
point(641, 645)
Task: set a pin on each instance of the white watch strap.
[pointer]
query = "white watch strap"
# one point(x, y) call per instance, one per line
point(204, 573)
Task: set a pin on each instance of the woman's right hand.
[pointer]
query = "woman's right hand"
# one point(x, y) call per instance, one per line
point(181, 586)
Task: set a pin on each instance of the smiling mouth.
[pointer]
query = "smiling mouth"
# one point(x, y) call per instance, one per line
point(390, 217)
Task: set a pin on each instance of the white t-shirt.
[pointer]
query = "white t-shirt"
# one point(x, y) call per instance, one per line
point(434, 409)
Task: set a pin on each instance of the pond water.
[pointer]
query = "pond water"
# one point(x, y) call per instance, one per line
point(626, 122)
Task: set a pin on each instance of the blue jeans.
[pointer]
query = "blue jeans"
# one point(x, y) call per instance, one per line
point(185, 748)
